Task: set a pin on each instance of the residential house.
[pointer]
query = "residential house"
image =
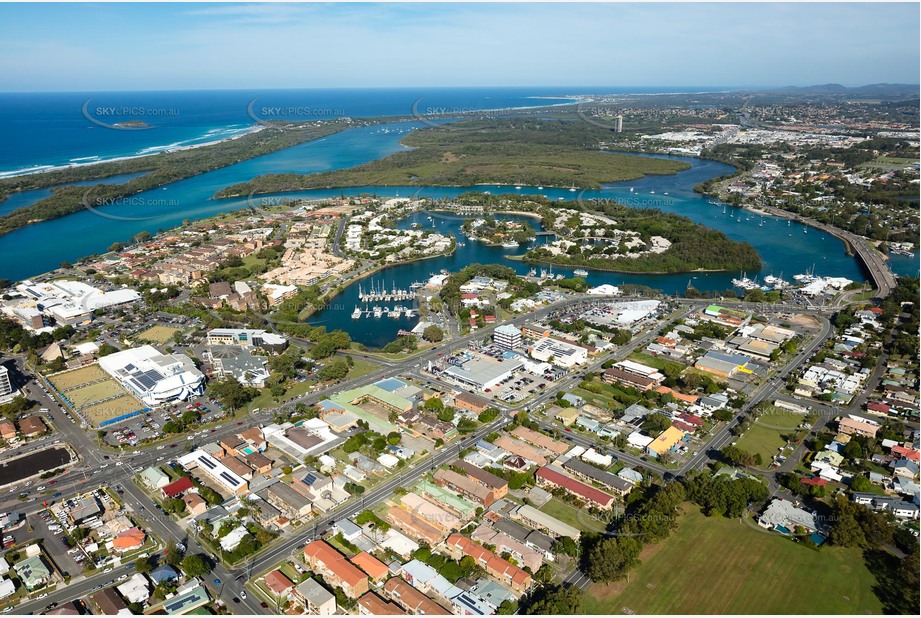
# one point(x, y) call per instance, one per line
point(498, 568)
point(317, 600)
point(335, 568)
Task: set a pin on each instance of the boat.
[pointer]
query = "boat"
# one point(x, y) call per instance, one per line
point(573, 188)
point(357, 313)
point(665, 193)
point(511, 244)
point(789, 223)
point(396, 311)
point(532, 273)
point(540, 188)
point(518, 187)
point(631, 189)
point(580, 272)
point(378, 311)
point(804, 230)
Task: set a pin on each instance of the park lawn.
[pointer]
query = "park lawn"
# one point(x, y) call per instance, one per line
point(655, 362)
point(571, 515)
point(765, 436)
point(720, 566)
point(361, 367)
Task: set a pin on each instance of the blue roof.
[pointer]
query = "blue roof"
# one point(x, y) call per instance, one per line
point(163, 573)
point(326, 404)
point(390, 384)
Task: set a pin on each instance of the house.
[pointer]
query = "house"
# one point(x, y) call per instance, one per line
point(109, 603)
point(555, 478)
point(410, 599)
point(130, 539)
point(186, 600)
point(233, 538)
point(522, 449)
point(163, 573)
point(7, 587)
point(33, 572)
point(497, 484)
point(177, 487)
point(375, 569)
point(905, 468)
point(666, 441)
point(541, 440)
point(498, 568)
point(278, 583)
point(32, 426)
point(784, 517)
point(335, 568)
point(7, 430)
point(286, 499)
point(567, 416)
point(590, 472)
point(194, 504)
point(317, 600)
point(135, 590)
point(155, 478)
point(372, 605)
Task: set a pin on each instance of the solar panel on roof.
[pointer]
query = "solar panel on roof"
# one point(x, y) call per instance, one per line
point(129, 367)
point(210, 464)
point(229, 479)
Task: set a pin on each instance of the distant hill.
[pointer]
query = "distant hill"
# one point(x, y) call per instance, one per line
point(878, 91)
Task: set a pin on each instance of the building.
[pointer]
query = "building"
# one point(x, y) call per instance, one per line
point(465, 486)
point(154, 477)
point(781, 514)
point(375, 569)
point(135, 590)
point(129, 540)
point(7, 430)
point(413, 526)
point(32, 426)
point(503, 571)
point(241, 364)
point(163, 573)
point(633, 374)
point(558, 352)
point(177, 487)
point(6, 387)
point(481, 373)
point(185, 601)
point(278, 583)
point(538, 439)
point(595, 497)
point(68, 302)
point(410, 599)
point(507, 336)
point(588, 471)
point(535, 331)
point(153, 377)
point(335, 569)
point(109, 603)
point(247, 337)
point(857, 426)
point(497, 484)
point(33, 572)
point(372, 605)
point(286, 499)
point(471, 403)
point(212, 469)
point(317, 600)
point(666, 441)
point(522, 449)
point(723, 365)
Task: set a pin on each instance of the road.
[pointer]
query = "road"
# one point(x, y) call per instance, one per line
point(95, 470)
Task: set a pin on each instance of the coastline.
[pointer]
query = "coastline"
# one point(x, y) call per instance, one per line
point(521, 258)
point(41, 169)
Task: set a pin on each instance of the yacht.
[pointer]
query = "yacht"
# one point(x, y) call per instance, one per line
point(580, 272)
point(540, 188)
point(357, 313)
point(804, 230)
point(378, 311)
point(510, 245)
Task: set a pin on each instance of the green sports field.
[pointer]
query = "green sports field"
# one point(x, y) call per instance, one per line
point(765, 436)
point(720, 566)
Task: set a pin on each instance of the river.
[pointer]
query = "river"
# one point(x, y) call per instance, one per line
point(784, 247)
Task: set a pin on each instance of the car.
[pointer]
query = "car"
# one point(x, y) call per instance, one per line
point(213, 430)
point(172, 446)
point(103, 466)
point(239, 423)
point(119, 463)
point(263, 604)
point(160, 458)
point(45, 594)
point(52, 482)
point(40, 488)
point(160, 448)
point(109, 570)
point(105, 457)
point(235, 600)
point(243, 594)
point(57, 494)
point(7, 609)
point(123, 577)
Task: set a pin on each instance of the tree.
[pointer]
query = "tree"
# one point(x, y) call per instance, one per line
point(610, 558)
point(195, 565)
point(852, 450)
point(172, 556)
point(394, 437)
point(554, 601)
point(143, 565)
point(861, 484)
point(433, 333)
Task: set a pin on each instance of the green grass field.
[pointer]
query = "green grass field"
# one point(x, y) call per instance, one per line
point(111, 409)
point(654, 361)
point(720, 566)
point(72, 379)
point(158, 333)
point(766, 434)
point(572, 516)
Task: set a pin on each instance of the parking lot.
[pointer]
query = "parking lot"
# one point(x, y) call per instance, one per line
point(149, 427)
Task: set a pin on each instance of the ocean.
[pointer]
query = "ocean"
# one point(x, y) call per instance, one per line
point(41, 131)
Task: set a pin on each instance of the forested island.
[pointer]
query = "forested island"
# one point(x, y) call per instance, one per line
point(162, 169)
point(552, 152)
point(613, 237)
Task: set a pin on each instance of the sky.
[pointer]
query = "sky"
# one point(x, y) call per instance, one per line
point(101, 46)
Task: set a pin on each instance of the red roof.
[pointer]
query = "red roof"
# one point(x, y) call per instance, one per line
point(337, 564)
point(878, 407)
point(905, 452)
point(693, 419)
point(875, 310)
point(176, 488)
point(684, 426)
point(814, 481)
point(469, 296)
point(577, 487)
